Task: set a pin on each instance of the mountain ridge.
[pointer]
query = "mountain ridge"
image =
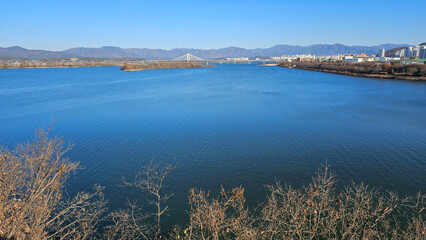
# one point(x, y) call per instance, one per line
point(157, 54)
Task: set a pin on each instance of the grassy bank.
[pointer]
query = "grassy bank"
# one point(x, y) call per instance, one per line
point(162, 65)
point(411, 72)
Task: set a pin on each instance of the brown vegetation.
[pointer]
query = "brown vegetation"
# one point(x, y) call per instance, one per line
point(365, 69)
point(162, 65)
point(32, 202)
point(33, 206)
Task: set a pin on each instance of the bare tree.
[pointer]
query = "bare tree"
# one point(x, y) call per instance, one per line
point(151, 179)
point(79, 217)
point(32, 179)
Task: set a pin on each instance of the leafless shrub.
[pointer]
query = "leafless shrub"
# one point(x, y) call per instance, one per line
point(127, 224)
point(225, 217)
point(300, 213)
point(318, 212)
point(414, 216)
point(79, 217)
point(32, 179)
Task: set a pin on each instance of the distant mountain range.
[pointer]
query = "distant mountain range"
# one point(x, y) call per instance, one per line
point(155, 54)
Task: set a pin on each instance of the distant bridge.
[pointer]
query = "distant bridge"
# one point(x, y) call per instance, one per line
point(189, 58)
point(192, 58)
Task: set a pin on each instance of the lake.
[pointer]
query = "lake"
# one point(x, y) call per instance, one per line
point(231, 125)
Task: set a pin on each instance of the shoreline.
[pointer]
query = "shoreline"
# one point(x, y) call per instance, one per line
point(354, 74)
point(379, 76)
point(58, 67)
point(82, 65)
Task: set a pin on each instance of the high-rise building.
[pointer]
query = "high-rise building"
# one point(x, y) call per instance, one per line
point(422, 52)
point(416, 51)
point(409, 52)
point(401, 53)
point(382, 53)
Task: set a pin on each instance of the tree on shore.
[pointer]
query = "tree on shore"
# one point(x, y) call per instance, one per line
point(32, 202)
point(151, 179)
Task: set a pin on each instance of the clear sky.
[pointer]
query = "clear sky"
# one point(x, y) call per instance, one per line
point(59, 25)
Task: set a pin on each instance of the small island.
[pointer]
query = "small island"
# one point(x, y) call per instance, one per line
point(125, 64)
point(131, 67)
point(394, 70)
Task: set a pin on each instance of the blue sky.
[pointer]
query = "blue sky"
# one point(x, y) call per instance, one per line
point(59, 25)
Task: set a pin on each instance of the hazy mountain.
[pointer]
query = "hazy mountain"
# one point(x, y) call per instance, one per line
point(20, 52)
point(117, 52)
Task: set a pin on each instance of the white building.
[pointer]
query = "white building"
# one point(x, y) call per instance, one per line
point(409, 52)
point(422, 52)
point(364, 59)
point(416, 51)
point(401, 53)
point(382, 53)
point(348, 58)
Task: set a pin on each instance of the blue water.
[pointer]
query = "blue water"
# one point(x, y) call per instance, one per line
point(231, 125)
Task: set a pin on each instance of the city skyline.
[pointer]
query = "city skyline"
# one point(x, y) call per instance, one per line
point(167, 25)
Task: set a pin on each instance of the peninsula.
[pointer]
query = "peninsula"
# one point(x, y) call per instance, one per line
point(411, 72)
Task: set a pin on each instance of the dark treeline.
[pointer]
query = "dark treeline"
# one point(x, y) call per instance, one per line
point(33, 205)
point(368, 69)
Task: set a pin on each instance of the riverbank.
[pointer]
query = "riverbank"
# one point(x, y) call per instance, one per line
point(412, 72)
point(58, 65)
point(132, 67)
